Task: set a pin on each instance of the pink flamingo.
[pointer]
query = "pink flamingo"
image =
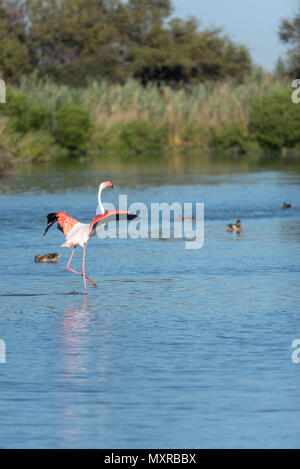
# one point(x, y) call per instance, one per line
point(79, 233)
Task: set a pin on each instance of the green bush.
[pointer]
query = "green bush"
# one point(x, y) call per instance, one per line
point(38, 116)
point(72, 127)
point(17, 108)
point(24, 115)
point(140, 137)
point(36, 147)
point(274, 121)
point(194, 135)
point(233, 136)
point(17, 102)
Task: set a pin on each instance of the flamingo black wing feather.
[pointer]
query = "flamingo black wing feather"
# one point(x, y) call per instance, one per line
point(112, 215)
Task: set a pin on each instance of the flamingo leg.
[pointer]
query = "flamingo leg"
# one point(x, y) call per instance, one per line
point(83, 270)
point(75, 271)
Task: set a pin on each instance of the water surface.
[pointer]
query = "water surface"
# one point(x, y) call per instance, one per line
point(175, 348)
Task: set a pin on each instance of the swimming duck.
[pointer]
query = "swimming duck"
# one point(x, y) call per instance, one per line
point(47, 257)
point(285, 205)
point(236, 227)
point(186, 218)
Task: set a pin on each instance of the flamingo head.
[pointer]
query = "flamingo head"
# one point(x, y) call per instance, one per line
point(106, 184)
point(51, 219)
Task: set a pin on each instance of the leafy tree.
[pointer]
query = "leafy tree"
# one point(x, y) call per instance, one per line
point(289, 33)
point(74, 39)
point(177, 51)
point(15, 57)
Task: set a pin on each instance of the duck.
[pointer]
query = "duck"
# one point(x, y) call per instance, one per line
point(186, 218)
point(236, 227)
point(53, 257)
point(285, 205)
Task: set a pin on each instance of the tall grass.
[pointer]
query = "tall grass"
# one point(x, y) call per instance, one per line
point(206, 105)
point(135, 118)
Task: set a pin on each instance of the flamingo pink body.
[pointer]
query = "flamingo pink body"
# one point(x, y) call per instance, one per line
point(79, 233)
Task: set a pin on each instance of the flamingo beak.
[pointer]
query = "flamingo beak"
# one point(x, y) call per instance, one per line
point(51, 218)
point(48, 226)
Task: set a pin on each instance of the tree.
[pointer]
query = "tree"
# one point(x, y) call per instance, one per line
point(145, 39)
point(176, 51)
point(74, 39)
point(289, 34)
point(15, 56)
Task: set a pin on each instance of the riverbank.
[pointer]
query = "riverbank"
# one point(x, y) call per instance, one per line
point(42, 121)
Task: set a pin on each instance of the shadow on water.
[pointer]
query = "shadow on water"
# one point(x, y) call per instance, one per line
point(40, 294)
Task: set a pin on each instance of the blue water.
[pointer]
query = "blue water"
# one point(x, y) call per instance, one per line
point(175, 348)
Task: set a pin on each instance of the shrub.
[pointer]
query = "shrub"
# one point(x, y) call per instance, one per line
point(274, 121)
point(233, 136)
point(17, 108)
point(72, 127)
point(36, 147)
point(38, 116)
point(139, 137)
point(17, 102)
point(195, 135)
point(24, 115)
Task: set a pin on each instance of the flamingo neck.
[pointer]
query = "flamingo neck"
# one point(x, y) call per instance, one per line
point(99, 200)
